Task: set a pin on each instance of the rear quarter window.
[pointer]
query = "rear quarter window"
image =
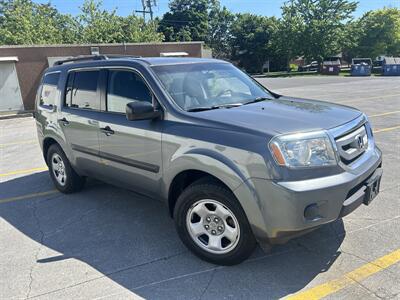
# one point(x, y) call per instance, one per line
point(49, 91)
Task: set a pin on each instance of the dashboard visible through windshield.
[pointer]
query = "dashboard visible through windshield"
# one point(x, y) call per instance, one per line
point(203, 86)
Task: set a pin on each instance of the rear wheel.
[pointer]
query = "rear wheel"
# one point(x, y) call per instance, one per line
point(211, 223)
point(63, 175)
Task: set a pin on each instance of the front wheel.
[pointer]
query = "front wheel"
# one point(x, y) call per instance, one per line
point(211, 223)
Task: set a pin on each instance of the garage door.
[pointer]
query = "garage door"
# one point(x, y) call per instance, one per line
point(10, 94)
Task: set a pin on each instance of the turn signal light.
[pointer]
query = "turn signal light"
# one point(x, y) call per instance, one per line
point(277, 154)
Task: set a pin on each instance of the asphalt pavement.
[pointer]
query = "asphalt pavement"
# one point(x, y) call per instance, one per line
point(106, 242)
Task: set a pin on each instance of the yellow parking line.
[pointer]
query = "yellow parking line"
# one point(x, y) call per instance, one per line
point(352, 277)
point(387, 129)
point(24, 171)
point(18, 143)
point(385, 114)
point(28, 196)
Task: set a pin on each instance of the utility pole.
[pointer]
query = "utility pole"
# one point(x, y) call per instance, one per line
point(147, 8)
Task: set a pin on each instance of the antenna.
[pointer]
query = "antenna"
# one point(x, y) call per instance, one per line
point(147, 8)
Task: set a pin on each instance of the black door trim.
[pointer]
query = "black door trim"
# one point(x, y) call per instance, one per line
point(130, 162)
point(122, 160)
point(85, 150)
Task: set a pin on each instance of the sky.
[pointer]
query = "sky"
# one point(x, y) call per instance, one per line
point(261, 7)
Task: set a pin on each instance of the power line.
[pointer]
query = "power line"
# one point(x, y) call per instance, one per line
point(147, 8)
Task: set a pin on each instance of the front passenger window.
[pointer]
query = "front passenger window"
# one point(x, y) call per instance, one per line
point(84, 91)
point(124, 87)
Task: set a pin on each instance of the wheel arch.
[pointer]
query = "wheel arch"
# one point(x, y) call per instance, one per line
point(47, 142)
point(185, 178)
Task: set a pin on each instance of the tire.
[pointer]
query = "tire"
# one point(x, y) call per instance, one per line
point(72, 181)
point(227, 240)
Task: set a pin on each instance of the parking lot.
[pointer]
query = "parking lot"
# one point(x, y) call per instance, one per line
point(105, 242)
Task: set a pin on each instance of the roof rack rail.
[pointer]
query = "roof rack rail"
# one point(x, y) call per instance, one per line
point(92, 57)
point(121, 56)
point(80, 58)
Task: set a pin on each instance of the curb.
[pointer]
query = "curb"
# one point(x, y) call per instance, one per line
point(15, 116)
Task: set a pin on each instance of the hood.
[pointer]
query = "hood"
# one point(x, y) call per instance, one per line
point(283, 115)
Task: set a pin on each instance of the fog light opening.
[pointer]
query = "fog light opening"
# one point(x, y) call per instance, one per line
point(311, 212)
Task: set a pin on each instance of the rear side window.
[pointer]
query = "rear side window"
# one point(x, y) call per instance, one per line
point(49, 91)
point(124, 87)
point(82, 90)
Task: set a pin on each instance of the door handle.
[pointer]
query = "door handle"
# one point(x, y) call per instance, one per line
point(64, 121)
point(107, 131)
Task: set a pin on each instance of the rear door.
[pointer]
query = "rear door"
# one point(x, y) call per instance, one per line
point(79, 119)
point(130, 150)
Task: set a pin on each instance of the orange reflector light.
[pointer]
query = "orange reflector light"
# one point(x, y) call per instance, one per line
point(277, 154)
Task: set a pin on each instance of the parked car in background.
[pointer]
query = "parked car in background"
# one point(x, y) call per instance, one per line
point(361, 67)
point(331, 66)
point(313, 66)
point(235, 163)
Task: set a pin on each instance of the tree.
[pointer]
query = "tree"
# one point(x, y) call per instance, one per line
point(251, 37)
point(219, 26)
point(288, 35)
point(25, 22)
point(198, 20)
point(101, 26)
point(190, 20)
point(319, 27)
point(98, 25)
point(186, 20)
point(136, 30)
point(378, 33)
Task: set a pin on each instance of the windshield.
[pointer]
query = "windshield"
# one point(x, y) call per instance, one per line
point(208, 85)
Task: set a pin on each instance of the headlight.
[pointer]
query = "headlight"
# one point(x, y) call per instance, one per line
point(313, 149)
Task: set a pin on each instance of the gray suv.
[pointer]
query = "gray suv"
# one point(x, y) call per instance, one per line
point(235, 163)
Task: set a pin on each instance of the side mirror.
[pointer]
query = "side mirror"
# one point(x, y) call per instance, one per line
point(141, 110)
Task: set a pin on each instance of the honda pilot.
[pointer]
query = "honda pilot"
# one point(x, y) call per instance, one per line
point(235, 163)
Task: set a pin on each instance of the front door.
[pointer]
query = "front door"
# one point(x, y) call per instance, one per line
point(130, 150)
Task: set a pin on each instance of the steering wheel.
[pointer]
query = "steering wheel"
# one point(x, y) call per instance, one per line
point(224, 92)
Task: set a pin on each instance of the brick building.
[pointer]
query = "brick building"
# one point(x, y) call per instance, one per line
point(21, 66)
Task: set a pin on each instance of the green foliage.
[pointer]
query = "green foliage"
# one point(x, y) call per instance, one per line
point(102, 26)
point(316, 28)
point(378, 33)
point(251, 40)
point(187, 20)
point(199, 20)
point(26, 22)
point(99, 26)
point(219, 26)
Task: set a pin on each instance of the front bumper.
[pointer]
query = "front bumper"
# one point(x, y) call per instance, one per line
point(282, 205)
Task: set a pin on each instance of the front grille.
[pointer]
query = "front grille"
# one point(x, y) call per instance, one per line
point(352, 145)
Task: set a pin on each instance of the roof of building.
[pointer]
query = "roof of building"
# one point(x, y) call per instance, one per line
point(99, 45)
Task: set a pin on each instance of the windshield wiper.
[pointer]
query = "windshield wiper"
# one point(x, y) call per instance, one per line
point(202, 108)
point(258, 99)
